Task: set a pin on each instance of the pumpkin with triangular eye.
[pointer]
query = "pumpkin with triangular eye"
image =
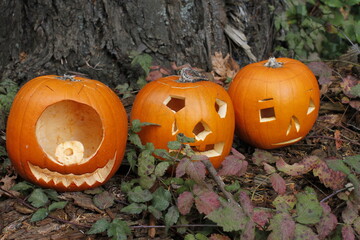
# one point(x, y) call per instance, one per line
point(68, 133)
point(200, 109)
point(276, 102)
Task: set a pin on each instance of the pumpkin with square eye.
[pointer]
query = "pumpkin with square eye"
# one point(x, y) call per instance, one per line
point(68, 133)
point(276, 102)
point(201, 109)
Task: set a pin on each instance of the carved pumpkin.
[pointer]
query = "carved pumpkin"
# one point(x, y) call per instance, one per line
point(201, 109)
point(66, 133)
point(276, 102)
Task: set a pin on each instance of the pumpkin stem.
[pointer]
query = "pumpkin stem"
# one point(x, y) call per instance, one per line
point(189, 74)
point(70, 78)
point(272, 63)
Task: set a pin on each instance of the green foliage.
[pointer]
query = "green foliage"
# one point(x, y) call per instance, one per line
point(144, 61)
point(326, 27)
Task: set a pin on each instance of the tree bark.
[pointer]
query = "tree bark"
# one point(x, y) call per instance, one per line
point(96, 37)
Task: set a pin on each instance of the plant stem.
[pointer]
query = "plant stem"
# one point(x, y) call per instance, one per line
point(272, 63)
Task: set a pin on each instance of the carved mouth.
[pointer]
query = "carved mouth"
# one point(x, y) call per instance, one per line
point(90, 179)
point(288, 142)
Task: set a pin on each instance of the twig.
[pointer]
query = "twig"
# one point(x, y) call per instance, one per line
point(332, 138)
point(218, 180)
point(334, 193)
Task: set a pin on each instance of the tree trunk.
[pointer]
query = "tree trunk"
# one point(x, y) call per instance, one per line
point(96, 37)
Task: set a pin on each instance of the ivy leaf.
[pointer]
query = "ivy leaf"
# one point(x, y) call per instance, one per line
point(262, 216)
point(233, 166)
point(161, 168)
point(22, 186)
point(196, 170)
point(184, 139)
point(288, 200)
point(161, 199)
point(57, 205)
point(184, 202)
point(354, 162)
point(104, 200)
point(38, 198)
point(303, 232)
point(134, 208)
point(156, 213)
point(39, 215)
point(99, 226)
point(260, 156)
point(338, 165)
point(300, 168)
point(278, 183)
point(135, 139)
point(139, 195)
point(174, 145)
point(330, 178)
point(348, 232)
point(147, 182)
point(146, 163)
point(136, 125)
point(230, 217)
point(172, 216)
point(355, 90)
point(206, 202)
point(118, 229)
point(327, 223)
point(308, 207)
point(282, 226)
point(144, 60)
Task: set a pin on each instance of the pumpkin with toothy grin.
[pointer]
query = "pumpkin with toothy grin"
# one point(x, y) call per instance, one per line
point(67, 133)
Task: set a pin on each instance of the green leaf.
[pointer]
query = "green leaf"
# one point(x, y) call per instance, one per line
point(308, 208)
point(139, 195)
point(155, 212)
point(22, 186)
point(354, 162)
point(146, 163)
point(184, 139)
point(131, 157)
point(57, 205)
point(135, 139)
point(51, 193)
point(39, 215)
point(38, 198)
point(118, 229)
point(174, 145)
point(230, 217)
point(171, 216)
point(282, 226)
point(303, 232)
point(134, 208)
point(144, 60)
point(338, 165)
point(146, 182)
point(99, 226)
point(355, 90)
point(161, 168)
point(161, 199)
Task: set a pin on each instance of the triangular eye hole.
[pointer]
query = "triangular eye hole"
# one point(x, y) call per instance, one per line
point(311, 107)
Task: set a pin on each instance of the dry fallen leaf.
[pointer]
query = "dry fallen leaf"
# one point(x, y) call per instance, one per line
point(224, 67)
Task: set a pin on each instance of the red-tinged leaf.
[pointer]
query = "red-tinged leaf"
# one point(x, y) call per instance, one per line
point(249, 231)
point(262, 216)
point(347, 233)
point(154, 75)
point(278, 183)
point(350, 213)
point(338, 142)
point(327, 223)
point(322, 70)
point(233, 166)
point(215, 236)
point(237, 154)
point(355, 104)
point(300, 168)
point(207, 202)
point(303, 232)
point(330, 178)
point(268, 168)
point(348, 83)
point(246, 204)
point(197, 171)
point(260, 156)
point(282, 226)
point(285, 201)
point(181, 167)
point(185, 202)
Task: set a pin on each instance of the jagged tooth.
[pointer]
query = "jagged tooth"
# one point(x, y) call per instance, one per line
point(65, 181)
point(57, 180)
point(90, 180)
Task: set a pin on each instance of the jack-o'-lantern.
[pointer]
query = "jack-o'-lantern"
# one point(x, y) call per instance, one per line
point(276, 102)
point(199, 109)
point(67, 133)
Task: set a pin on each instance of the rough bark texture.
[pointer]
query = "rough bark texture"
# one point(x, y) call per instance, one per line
point(95, 37)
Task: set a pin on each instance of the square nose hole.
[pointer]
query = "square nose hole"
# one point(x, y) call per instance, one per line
point(267, 114)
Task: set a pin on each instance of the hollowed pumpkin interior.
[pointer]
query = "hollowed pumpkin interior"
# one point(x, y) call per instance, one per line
point(69, 132)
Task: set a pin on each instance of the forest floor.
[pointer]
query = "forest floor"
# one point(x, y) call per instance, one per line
point(336, 134)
